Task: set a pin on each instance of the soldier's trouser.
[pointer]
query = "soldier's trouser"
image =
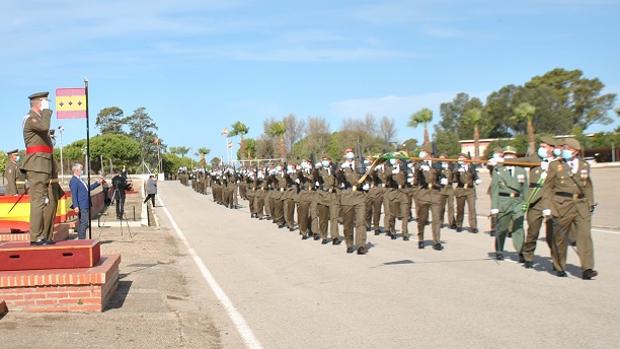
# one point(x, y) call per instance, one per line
point(506, 220)
point(243, 192)
point(272, 206)
point(422, 212)
point(314, 215)
point(388, 194)
point(289, 214)
point(582, 228)
point(534, 223)
point(449, 201)
point(278, 211)
point(410, 195)
point(235, 195)
point(38, 195)
point(399, 207)
point(49, 214)
point(251, 196)
point(374, 200)
point(470, 198)
point(303, 216)
point(259, 203)
point(354, 216)
point(329, 213)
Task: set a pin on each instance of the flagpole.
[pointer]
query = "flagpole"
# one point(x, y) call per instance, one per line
point(90, 233)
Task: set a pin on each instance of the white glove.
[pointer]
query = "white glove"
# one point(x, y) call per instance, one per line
point(546, 212)
point(317, 184)
point(444, 181)
point(342, 185)
point(544, 165)
point(425, 168)
point(410, 180)
point(461, 169)
point(478, 181)
point(494, 211)
point(344, 165)
point(521, 178)
point(297, 181)
point(366, 186)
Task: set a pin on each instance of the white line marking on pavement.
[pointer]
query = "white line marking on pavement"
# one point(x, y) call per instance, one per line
point(235, 316)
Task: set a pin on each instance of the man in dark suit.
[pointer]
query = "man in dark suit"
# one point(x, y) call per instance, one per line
point(81, 199)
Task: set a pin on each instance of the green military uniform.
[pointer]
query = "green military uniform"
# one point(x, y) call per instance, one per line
point(374, 201)
point(465, 177)
point(508, 189)
point(38, 165)
point(569, 195)
point(447, 196)
point(290, 198)
point(353, 206)
point(399, 199)
point(428, 199)
point(306, 197)
point(279, 197)
point(328, 205)
point(54, 193)
point(11, 174)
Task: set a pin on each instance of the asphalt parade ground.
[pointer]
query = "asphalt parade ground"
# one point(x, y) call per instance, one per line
point(267, 288)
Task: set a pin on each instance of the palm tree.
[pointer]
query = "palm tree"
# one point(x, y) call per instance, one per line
point(203, 152)
point(474, 116)
point(277, 130)
point(240, 129)
point(525, 112)
point(422, 117)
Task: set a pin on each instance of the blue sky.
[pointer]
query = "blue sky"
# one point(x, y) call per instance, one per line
point(198, 66)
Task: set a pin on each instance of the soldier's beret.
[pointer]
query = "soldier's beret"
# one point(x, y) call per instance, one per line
point(12, 151)
point(548, 140)
point(39, 95)
point(510, 150)
point(572, 143)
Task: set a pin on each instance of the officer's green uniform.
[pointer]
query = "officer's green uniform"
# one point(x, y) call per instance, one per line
point(508, 189)
point(568, 193)
point(374, 201)
point(306, 197)
point(11, 174)
point(291, 199)
point(54, 193)
point(38, 165)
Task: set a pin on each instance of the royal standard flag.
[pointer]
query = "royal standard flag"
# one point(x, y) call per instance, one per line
point(71, 103)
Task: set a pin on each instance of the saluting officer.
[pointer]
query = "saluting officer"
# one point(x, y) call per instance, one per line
point(38, 162)
point(427, 177)
point(568, 201)
point(353, 206)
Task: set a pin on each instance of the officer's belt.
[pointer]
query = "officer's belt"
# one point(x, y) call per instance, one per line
point(464, 186)
point(574, 196)
point(534, 185)
point(39, 149)
point(510, 195)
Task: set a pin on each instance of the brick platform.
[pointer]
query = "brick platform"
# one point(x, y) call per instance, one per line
point(61, 290)
point(61, 233)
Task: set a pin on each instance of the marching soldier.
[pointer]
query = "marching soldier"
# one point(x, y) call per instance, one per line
point(306, 197)
point(428, 197)
point(374, 198)
point(399, 198)
point(290, 195)
point(353, 206)
point(328, 205)
point(466, 178)
point(508, 190)
point(447, 194)
point(533, 205)
point(11, 173)
point(568, 201)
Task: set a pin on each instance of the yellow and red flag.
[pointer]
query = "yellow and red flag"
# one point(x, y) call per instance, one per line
point(71, 103)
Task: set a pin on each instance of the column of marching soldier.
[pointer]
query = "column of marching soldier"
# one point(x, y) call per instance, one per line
point(556, 192)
